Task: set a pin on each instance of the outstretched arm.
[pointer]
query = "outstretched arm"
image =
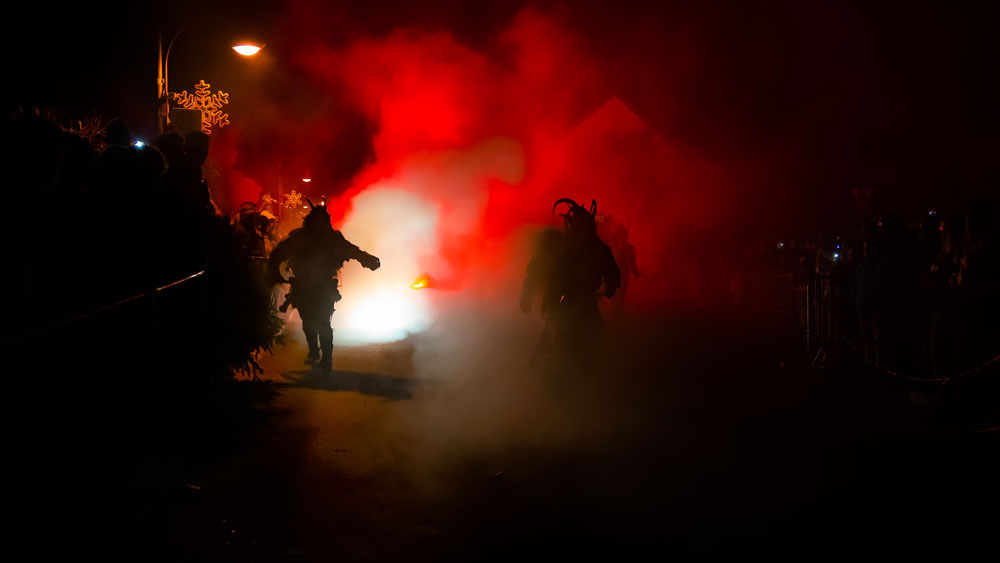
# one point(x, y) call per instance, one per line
point(352, 252)
point(368, 261)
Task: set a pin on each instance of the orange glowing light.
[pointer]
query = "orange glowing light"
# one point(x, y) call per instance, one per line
point(421, 283)
point(246, 50)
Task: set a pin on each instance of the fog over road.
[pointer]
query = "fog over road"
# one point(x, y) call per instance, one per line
point(701, 440)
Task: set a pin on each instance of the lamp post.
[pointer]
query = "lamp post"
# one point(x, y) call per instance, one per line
point(163, 76)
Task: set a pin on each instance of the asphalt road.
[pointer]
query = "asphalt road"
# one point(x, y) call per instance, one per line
point(695, 438)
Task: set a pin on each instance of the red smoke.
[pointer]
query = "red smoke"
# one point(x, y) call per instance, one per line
point(489, 136)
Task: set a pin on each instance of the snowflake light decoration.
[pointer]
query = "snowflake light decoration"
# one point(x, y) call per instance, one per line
point(293, 200)
point(209, 104)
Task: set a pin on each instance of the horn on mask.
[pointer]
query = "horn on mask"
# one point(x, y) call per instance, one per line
point(572, 204)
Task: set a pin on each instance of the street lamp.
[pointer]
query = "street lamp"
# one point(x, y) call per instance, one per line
point(162, 81)
point(247, 50)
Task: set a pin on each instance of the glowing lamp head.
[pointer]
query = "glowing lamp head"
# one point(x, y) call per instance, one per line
point(422, 282)
point(247, 50)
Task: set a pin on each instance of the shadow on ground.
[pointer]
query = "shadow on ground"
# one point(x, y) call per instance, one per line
point(374, 384)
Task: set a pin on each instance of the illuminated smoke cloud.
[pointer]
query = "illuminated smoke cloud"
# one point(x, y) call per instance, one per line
point(380, 306)
point(458, 152)
point(419, 221)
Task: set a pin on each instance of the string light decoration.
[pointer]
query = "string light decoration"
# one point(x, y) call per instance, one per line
point(293, 200)
point(295, 204)
point(209, 104)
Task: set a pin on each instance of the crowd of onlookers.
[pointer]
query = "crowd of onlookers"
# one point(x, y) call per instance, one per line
point(103, 222)
point(135, 304)
point(919, 297)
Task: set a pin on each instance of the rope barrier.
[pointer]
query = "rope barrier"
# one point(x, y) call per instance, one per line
point(984, 365)
point(118, 303)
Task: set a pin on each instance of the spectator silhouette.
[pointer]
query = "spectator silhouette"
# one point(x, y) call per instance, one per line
point(254, 229)
point(944, 266)
point(193, 190)
point(941, 347)
point(979, 278)
point(980, 261)
point(117, 134)
point(867, 298)
point(172, 147)
point(896, 291)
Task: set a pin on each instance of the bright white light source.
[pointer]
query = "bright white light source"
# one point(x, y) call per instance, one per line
point(139, 144)
point(382, 316)
point(382, 306)
point(246, 50)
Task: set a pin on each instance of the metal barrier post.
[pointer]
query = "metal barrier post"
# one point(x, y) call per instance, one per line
point(808, 317)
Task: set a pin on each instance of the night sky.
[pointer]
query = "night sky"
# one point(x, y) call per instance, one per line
point(808, 100)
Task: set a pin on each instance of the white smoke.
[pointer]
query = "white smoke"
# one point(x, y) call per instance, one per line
point(434, 202)
point(382, 306)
